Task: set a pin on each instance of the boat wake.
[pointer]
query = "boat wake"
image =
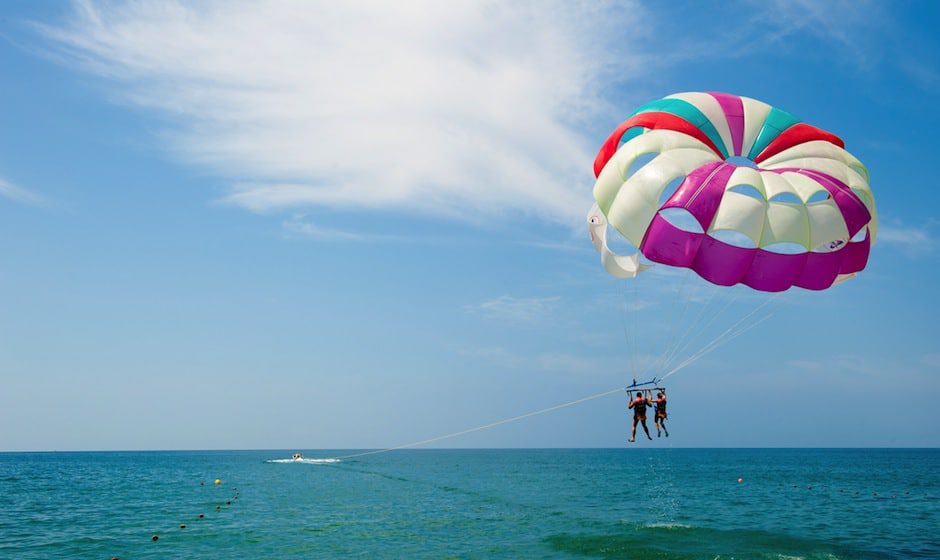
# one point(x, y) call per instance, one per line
point(305, 461)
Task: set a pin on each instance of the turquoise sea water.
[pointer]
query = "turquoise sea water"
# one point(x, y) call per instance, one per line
point(616, 503)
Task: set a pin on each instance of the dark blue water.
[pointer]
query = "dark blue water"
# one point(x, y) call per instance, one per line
point(619, 503)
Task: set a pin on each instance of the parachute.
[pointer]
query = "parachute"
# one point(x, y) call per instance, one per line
point(753, 183)
point(732, 190)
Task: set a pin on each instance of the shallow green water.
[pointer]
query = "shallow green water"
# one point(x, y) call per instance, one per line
point(642, 504)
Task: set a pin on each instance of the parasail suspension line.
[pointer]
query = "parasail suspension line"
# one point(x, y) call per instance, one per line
point(711, 321)
point(695, 357)
point(670, 344)
point(626, 330)
point(674, 347)
point(725, 336)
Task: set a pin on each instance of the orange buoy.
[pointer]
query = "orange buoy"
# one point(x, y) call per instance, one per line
point(218, 481)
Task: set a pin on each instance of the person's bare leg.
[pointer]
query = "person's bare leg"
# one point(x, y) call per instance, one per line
point(656, 423)
point(645, 429)
point(663, 422)
point(633, 437)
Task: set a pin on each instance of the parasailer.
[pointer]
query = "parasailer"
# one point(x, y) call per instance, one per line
point(639, 405)
point(659, 414)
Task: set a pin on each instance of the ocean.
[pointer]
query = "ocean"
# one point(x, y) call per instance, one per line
point(631, 503)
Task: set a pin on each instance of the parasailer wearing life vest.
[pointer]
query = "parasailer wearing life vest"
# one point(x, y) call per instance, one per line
point(659, 416)
point(639, 405)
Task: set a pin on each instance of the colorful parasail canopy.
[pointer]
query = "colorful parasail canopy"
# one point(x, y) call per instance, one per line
point(796, 187)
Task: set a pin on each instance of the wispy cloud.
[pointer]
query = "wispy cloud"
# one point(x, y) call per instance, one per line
point(567, 246)
point(515, 310)
point(458, 108)
point(847, 365)
point(302, 227)
point(923, 72)
point(468, 110)
point(851, 25)
point(864, 33)
point(912, 240)
point(554, 362)
point(807, 365)
point(501, 357)
point(931, 360)
point(860, 371)
point(19, 194)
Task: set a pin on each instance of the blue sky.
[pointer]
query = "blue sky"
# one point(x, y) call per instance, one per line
point(284, 225)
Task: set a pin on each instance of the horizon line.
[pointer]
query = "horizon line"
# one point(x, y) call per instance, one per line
point(342, 449)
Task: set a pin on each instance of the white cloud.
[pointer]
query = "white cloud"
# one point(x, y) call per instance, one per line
point(21, 195)
point(465, 109)
point(814, 366)
point(558, 362)
point(865, 34)
point(922, 71)
point(849, 24)
point(471, 110)
point(913, 240)
point(504, 358)
point(847, 366)
point(304, 228)
point(931, 360)
point(515, 310)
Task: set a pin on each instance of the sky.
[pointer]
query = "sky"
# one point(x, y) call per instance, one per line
point(302, 225)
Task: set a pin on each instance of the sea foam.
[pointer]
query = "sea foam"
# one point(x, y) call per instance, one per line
point(305, 460)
